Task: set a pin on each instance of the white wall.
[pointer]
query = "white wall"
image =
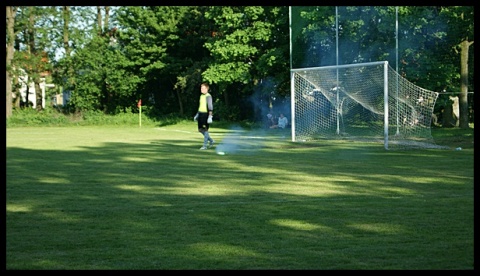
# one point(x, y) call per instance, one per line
point(23, 80)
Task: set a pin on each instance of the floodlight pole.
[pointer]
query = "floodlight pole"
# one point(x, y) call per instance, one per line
point(292, 83)
point(396, 65)
point(338, 85)
point(385, 103)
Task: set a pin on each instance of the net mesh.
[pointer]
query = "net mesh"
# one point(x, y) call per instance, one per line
point(353, 106)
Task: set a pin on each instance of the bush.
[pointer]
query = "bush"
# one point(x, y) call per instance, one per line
point(30, 117)
point(52, 117)
point(226, 113)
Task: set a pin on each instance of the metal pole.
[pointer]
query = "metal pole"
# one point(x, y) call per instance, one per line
point(396, 66)
point(338, 85)
point(292, 83)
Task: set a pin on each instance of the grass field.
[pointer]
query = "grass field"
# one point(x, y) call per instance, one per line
point(131, 198)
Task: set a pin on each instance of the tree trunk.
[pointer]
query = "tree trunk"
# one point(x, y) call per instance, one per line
point(66, 22)
point(179, 97)
point(9, 94)
point(99, 20)
point(463, 96)
point(107, 16)
point(449, 119)
point(68, 71)
point(11, 11)
point(31, 31)
point(39, 96)
point(222, 90)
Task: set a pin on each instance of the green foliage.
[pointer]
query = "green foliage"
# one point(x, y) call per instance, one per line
point(99, 118)
point(243, 49)
point(32, 117)
point(147, 32)
point(162, 53)
point(104, 83)
point(428, 41)
point(54, 117)
point(227, 113)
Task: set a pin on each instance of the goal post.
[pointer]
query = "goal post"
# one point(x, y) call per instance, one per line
point(365, 101)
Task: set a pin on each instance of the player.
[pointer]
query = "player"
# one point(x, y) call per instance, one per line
point(204, 115)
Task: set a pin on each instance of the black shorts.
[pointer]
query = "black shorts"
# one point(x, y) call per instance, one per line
point(202, 121)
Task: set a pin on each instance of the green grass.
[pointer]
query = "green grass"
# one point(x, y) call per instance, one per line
point(117, 198)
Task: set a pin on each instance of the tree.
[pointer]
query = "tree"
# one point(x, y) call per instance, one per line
point(249, 45)
point(77, 27)
point(143, 39)
point(186, 57)
point(35, 38)
point(303, 20)
point(102, 81)
point(461, 23)
point(167, 53)
point(162, 53)
point(428, 38)
point(30, 32)
point(11, 12)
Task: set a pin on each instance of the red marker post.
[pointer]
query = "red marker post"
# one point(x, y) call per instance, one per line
point(139, 105)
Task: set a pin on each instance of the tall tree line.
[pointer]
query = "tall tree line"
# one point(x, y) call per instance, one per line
point(108, 58)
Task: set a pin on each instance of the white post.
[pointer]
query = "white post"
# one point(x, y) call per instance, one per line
point(338, 85)
point(42, 87)
point(292, 85)
point(385, 102)
point(292, 105)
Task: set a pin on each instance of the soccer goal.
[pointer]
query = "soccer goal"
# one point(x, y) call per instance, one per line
point(364, 102)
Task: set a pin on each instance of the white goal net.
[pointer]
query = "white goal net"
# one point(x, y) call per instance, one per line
point(364, 102)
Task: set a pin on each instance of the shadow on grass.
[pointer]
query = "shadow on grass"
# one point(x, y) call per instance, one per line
point(267, 205)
